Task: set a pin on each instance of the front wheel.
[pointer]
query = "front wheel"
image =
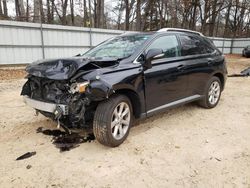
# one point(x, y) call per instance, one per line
point(112, 120)
point(212, 93)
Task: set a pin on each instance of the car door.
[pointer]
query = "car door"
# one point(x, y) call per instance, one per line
point(200, 61)
point(166, 81)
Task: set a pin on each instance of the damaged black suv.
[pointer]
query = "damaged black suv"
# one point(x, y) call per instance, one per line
point(131, 76)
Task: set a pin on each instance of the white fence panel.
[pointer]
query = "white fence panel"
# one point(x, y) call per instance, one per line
point(22, 43)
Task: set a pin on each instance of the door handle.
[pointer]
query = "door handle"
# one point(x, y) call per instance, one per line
point(180, 67)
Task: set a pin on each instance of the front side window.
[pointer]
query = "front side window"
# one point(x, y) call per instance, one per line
point(190, 45)
point(168, 44)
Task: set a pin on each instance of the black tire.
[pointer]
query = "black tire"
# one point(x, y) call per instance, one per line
point(205, 102)
point(103, 118)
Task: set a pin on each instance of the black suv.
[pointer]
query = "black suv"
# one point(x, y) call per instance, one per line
point(130, 76)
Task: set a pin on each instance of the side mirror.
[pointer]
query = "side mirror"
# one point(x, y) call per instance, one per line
point(151, 54)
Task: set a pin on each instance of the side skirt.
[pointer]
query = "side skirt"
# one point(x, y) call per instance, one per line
point(171, 105)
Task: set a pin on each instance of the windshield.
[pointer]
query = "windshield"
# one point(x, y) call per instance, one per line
point(120, 47)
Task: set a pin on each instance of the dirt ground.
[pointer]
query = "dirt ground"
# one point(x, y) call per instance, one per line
point(184, 147)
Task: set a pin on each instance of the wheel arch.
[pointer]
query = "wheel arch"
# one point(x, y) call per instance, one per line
point(221, 77)
point(134, 99)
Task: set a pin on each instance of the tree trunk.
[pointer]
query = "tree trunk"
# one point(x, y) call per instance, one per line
point(1, 9)
point(95, 13)
point(241, 17)
point(41, 11)
point(90, 15)
point(27, 11)
point(217, 25)
point(52, 10)
point(5, 9)
point(175, 14)
point(138, 15)
point(119, 15)
point(193, 27)
point(151, 16)
point(64, 12)
point(72, 12)
point(213, 19)
point(165, 14)
point(36, 17)
point(226, 30)
point(20, 11)
point(127, 14)
point(100, 13)
point(206, 16)
point(49, 20)
point(85, 14)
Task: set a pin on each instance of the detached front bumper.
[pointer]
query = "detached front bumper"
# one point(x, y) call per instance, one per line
point(45, 106)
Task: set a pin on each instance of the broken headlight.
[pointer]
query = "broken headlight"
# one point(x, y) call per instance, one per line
point(78, 87)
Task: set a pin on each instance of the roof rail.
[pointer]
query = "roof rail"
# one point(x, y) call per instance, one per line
point(180, 30)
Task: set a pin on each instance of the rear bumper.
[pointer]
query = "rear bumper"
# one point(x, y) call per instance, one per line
point(45, 106)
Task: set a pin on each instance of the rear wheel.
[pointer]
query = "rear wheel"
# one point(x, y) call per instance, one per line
point(112, 121)
point(212, 93)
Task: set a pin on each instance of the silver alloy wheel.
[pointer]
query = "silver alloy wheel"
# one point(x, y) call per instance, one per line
point(120, 120)
point(214, 92)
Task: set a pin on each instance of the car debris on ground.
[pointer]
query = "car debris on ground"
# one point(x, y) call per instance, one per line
point(26, 155)
point(244, 73)
point(65, 141)
point(28, 167)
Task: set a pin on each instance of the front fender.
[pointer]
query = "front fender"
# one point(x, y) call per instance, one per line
point(99, 90)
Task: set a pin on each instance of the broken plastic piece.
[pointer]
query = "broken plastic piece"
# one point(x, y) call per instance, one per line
point(26, 155)
point(244, 73)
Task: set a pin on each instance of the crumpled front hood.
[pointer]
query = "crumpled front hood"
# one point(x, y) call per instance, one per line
point(57, 69)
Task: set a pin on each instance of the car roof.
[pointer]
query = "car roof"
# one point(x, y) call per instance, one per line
point(164, 30)
point(131, 33)
point(180, 30)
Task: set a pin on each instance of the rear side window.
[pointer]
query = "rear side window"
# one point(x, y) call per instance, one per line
point(168, 44)
point(191, 45)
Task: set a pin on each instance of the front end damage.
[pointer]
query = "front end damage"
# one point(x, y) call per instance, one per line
point(72, 101)
point(55, 100)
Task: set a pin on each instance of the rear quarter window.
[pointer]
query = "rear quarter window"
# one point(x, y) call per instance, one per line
point(192, 45)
